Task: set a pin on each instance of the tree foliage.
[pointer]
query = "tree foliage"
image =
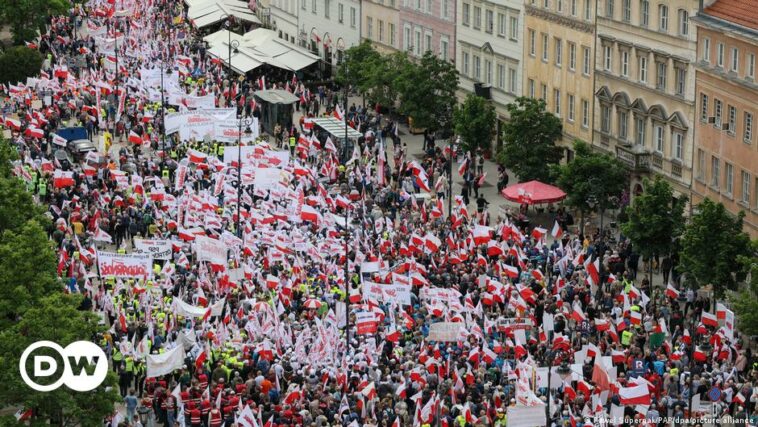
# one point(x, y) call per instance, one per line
point(427, 92)
point(18, 63)
point(28, 17)
point(475, 122)
point(383, 77)
point(358, 65)
point(745, 301)
point(591, 175)
point(712, 245)
point(654, 219)
point(529, 140)
point(54, 318)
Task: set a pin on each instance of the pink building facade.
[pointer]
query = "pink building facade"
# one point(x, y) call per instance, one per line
point(428, 25)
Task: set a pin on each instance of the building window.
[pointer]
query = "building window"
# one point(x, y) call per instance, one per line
point(681, 80)
point(391, 33)
point(643, 69)
point(532, 42)
point(644, 13)
point(559, 5)
point(512, 80)
point(639, 130)
point(605, 116)
point(717, 113)
point(663, 17)
point(625, 64)
point(531, 88)
point(715, 171)
point(728, 178)
point(588, 9)
point(706, 49)
point(585, 113)
point(732, 121)
point(489, 21)
point(557, 102)
point(370, 27)
point(700, 164)
point(313, 6)
point(626, 10)
point(683, 22)
point(546, 3)
point(623, 125)
point(543, 90)
point(465, 63)
point(501, 25)
point(750, 66)
point(558, 51)
point(659, 135)
point(465, 17)
point(609, 8)
point(607, 57)
point(748, 132)
point(703, 107)
point(477, 67)
point(735, 59)
point(327, 6)
point(303, 4)
point(488, 71)
point(418, 42)
point(477, 17)
point(678, 146)
point(429, 6)
point(586, 61)
point(501, 76)
point(340, 13)
point(720, 55)
point(444, 43)
point(572, 56)
point(660, 81)
point(746, 187)
point(352, 17)
point(544, 47)
point(514, 28)
point(445, 9)
point(573, 7)
point(380, 25)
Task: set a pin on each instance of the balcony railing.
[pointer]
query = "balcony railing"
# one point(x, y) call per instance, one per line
point(657, 161)
point(676, 169)
point(638, 162)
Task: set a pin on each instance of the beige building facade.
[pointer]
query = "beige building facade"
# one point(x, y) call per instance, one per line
point(559, 63)
point(645, 88)
point(381, 20)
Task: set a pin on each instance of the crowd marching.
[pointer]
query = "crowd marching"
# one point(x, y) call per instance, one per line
point(317, 289)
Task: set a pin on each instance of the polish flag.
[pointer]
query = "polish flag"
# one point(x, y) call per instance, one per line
point(602, 325)
point(739, 398)
point(493, 249)
point(593, 270)
point(13, 123)
point(635, 317)
point(577, 314)
point(686, 338)
point(720, 311)
point(34, 132)
point(557, 231)
point(510, 271)
point(369, 391)
point(462, 168)
point(186, 235)
point(671, 292)
point(637, 395)
point(481, 235)
point(134, 138)
point(709, 319)
point(432, 242)
point(63, 179)
point(196, 156)
point(473, 355)
point(539, 232)
point(699, 355)
point(309, 214)
point(272, 282)
point(618, 356)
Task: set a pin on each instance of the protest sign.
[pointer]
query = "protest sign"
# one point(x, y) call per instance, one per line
point(212, 250)
point(445, 331)
point(166, 363)
point(158, 249)
point(112, 264)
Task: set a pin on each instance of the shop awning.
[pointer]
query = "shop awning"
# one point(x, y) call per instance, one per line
point(260, 46)
point(203, 13)
point(336, 127)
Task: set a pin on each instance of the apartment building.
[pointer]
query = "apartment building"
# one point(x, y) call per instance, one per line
point(726, 149)
point(489, 51)
point(381, 23)
point(559, 63)
point(428, 25)
point(645, 87)
point(328, 27)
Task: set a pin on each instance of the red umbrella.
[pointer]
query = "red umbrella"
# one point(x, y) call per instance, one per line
point(533, 193)
point(312, 303)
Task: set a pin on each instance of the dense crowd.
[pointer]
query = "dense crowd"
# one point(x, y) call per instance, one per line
point(327, 307)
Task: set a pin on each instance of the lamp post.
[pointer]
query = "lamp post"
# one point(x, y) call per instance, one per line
point(233, 46)
point(347, 210)
point(163, 110)
point(246, 122)
point(564, 371)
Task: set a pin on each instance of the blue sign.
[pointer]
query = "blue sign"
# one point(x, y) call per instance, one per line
point(714, 394)
point(638, 367)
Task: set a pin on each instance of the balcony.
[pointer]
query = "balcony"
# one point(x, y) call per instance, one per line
point(657, 160)
point(635, 161)
point(676, 169)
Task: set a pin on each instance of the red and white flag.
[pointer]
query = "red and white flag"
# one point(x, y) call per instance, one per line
point(709, 319)
point(637, 395)
point(557, 231)
point(671, 291)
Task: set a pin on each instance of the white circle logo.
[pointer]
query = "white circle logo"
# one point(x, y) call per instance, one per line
point(78, 360)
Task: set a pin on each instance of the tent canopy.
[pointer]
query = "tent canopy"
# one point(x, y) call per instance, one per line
point(260, 46)
point(336, 127)
point(203, 13)
point(533, 193)
point(276, 96)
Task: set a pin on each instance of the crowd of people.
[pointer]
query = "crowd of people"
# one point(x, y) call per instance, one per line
point(343, 297)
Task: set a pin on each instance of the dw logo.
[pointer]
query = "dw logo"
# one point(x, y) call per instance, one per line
point(78, 360)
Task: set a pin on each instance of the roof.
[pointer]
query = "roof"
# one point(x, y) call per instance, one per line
point(208, 12)
point(257, 47)
point(739, 12)
point(276, 96)
point(336, 127)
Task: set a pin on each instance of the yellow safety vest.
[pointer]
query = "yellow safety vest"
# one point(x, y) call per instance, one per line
point(626, 338)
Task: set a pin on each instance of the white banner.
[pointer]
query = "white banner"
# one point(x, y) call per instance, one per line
point(195, 102)
point(229, 131)
point(249, 156)
point(526, 416)
point(385, 293)
point(166, 363)
point(201, 120)
point(158, 249)
point(212, 250)
point(124, 265)
point(445, 332)
point(267, 178)
point(189, 310)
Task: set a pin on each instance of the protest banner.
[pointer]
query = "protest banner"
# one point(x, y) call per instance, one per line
point(525, 416)
point(166, 363)
point(379, 292)
point(158, 249)
point(111, 264)
point(366, 323)
point(445, 331)
point(212, 250)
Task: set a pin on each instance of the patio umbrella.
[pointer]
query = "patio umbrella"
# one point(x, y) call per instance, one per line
point(533, 193)
point(312, 303)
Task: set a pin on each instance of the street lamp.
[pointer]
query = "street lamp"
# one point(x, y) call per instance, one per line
point(233, 46)
point(564, 371)
point(163, 110)
point(243, 121)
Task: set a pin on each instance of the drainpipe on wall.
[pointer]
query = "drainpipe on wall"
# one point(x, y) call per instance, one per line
point(594, 75)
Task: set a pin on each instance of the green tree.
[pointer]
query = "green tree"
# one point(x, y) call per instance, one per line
point(711, 247)
point(27, 271)
point(745, 301)
point(475, 122)
point(383, 78)
point(8, 154)
point(54, 318)
point(357, 68)
point(654, 220)
point(18, 63)
point(530, 136)
point(591, 176)
point(17, 206)
point(27, 18)
point(427, 92)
